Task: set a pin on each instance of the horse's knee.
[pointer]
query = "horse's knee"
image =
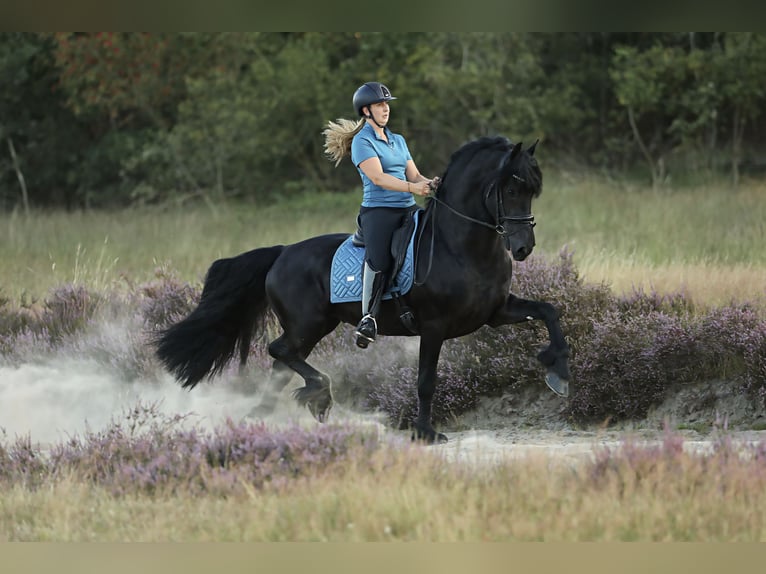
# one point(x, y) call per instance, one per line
point(548, 311)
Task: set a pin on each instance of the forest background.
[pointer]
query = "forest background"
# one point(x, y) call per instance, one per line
point(97, 120)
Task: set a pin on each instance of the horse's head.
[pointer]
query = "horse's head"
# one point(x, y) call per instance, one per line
point(517, 183)
point(506, 178)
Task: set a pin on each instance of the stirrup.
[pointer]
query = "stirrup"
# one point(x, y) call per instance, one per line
point(366, 331)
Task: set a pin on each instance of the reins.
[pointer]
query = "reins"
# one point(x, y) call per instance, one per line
point(498, 227)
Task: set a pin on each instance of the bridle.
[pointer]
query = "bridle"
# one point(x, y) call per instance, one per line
point(499, 226)
point(500, 216)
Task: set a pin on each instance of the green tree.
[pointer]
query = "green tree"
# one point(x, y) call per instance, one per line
point(107, 118)
point(741, 67)
point(40, 139)
point(650, 84)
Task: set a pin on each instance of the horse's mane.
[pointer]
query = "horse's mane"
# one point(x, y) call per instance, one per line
point(464, 156)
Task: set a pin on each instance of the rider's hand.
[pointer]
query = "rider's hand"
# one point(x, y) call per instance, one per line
point(422, 188)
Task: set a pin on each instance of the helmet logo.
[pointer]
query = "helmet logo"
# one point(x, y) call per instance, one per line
point(384, 91)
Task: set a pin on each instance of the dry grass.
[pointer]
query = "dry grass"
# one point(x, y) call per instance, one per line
point(416, 497)
point(712, 283)
point(707, 240)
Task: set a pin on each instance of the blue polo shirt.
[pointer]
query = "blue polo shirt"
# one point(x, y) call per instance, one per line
point(393, 156)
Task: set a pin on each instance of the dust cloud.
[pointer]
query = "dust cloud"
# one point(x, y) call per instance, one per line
point(51, 401)
point(53, 396)
point(61, 398)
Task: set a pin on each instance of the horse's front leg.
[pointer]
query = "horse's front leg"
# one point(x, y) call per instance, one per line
point(555, 357)
point(430, 347)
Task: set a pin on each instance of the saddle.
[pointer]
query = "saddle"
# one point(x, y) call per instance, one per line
point(399, 240)
point(346, 276)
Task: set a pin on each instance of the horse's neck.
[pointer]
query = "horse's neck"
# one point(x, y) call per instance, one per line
point(471, 242)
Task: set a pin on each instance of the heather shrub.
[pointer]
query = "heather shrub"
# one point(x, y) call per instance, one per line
point(735, 347)
point(121, 346)
point(113, 328)
point(166, 299)
point(21, 461)
point(639, 302)
point(633, 462)
point(16, 319)
point(68, 310)
point(122, 339)
point(632, 357)
point(149, 452)
point(620, 369)
point(37, 328)
point(625, 351)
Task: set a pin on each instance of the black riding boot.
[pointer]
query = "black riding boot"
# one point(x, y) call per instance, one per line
point(373, 286)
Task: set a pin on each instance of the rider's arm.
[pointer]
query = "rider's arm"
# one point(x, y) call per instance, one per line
point(374, 171)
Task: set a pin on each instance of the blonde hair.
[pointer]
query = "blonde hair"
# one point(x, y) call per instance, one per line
point(338, 136)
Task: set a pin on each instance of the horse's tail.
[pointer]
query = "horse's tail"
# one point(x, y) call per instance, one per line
point(231, 309)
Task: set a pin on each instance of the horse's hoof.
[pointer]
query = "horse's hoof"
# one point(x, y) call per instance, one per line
point(429, 436)
point(320, 410)
point(557, 384)
point(318, 400)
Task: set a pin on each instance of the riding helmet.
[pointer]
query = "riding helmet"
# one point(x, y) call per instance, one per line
point(371, 93)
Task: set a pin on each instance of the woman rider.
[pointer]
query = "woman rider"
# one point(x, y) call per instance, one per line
point(390, 179)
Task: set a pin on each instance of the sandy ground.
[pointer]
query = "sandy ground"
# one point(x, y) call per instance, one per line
point(481, 446)
point(533, 424)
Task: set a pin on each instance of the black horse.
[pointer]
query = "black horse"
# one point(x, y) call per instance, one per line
point(480, 212)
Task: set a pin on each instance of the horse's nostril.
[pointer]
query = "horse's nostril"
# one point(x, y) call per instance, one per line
point(521, 253)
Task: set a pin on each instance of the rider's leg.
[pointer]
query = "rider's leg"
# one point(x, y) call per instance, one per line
point(378, 224)
point(373, 286)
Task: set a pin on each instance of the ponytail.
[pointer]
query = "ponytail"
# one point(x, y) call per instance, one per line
point(338, 136)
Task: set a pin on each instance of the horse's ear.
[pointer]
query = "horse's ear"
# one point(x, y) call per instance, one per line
point(515, 151)
point(507, 170)
point(531, 149)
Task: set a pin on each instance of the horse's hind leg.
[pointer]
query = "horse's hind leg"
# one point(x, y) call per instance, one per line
point(278, 379)
point(316, 394)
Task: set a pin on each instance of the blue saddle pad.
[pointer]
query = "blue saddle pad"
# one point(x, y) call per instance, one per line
point(346, 272)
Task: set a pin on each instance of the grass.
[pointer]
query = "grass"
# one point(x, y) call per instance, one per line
point(703, 240)
point(706, 240)
point(101, 249)
point(414, 496)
